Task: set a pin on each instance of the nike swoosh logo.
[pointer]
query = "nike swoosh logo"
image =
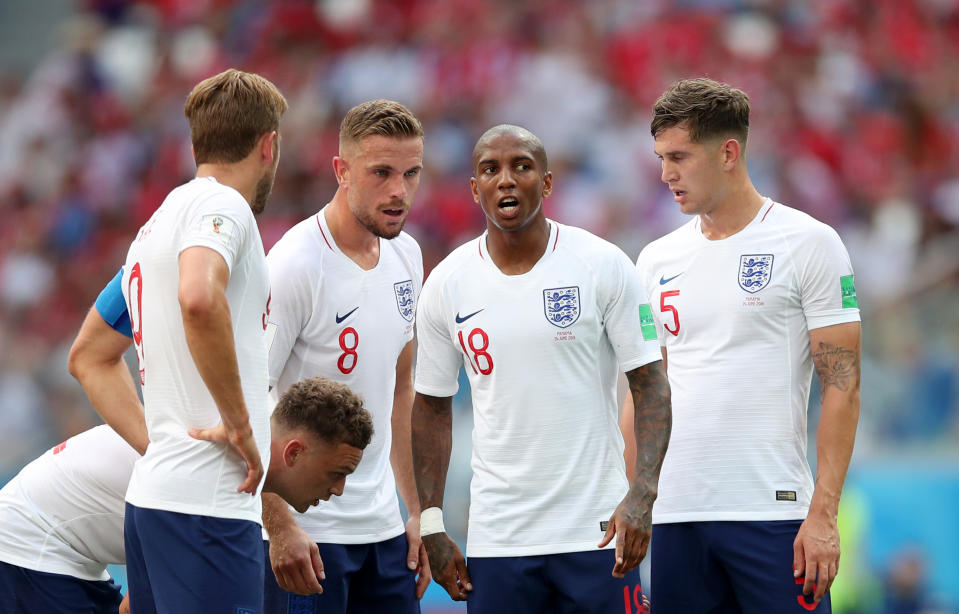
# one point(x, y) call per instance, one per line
point(460, 320)
point(348, 314)
point(663, 280)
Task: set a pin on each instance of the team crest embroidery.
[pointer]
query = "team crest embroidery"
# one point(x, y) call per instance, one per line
point(755, 271)
point(561, 305)
point(404, 299)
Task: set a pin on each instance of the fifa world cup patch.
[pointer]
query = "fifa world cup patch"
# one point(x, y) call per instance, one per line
point(217, 227)
point(848, 285)
point(646, 322)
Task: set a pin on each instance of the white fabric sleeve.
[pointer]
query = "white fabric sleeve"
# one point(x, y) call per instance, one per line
point(222, 222)
point(649, 287)
point(622, 295)
point(822, 267)
point(438, 360)
point(290, 305)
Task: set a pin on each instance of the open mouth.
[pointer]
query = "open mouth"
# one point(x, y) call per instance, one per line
point(508, 206)
point(396, 213)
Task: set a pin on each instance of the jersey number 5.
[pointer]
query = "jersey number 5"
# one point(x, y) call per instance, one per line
point(664, 307)
point(484, 366)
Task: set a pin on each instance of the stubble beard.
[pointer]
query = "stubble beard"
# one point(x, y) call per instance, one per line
point(366, 221)
point(263, 189)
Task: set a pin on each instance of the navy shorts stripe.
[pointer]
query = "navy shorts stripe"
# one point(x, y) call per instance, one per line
point(555, 583)
point(706, 567)
point(360, 579)
point(191, 564)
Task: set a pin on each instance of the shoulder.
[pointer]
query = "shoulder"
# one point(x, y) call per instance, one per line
point(799, 227)
point(668, 243)
point(589, 248)
point(406, 244)
point(458, 261)
point(299, 248)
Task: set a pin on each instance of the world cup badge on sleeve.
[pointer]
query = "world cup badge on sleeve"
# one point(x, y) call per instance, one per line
point(561, 305)
point(755, 271)
point(404, 299)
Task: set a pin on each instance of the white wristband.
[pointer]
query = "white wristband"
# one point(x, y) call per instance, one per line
point(431, 521)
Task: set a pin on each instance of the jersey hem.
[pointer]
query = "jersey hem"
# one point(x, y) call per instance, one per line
point(12, 559)
point(534, 550)
point(198, 510)
point(700, 516)
point(831, 318)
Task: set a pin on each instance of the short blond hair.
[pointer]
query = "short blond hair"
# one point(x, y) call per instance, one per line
point(379, 117)
point(229, 112)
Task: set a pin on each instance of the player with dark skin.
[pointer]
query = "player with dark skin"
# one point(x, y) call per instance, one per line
point(510, 182)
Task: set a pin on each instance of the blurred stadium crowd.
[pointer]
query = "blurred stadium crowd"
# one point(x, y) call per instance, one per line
point(855, 115)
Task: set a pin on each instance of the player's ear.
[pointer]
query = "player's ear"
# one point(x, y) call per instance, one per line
point(292, 451)
point(730, 151)
point(547, 184)
point(474, 189)
point(341, 169)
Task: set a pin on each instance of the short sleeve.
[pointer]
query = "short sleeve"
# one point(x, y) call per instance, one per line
point(438, 361)
point(627, 316)
point(647, 313)
point(826, 283)
point(112, 307)
point(289, 307)
point(222, 222)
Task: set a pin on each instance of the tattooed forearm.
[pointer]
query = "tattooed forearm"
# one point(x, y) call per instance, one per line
point(432, 433)
point(837, 366)
point(652, 423)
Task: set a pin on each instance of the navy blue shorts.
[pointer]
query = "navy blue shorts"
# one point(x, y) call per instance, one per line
point(555, 583)
point(191, 564)
point(24, 591)
point(360, 579)
point(735, 567)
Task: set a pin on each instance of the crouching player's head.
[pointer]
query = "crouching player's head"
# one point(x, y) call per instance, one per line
point(320, 429)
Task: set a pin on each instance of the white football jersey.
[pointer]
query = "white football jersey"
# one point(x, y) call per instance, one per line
point(336, 320)
point(735, 316)
point(63, 513)
point(179, 473)
point(542, 352)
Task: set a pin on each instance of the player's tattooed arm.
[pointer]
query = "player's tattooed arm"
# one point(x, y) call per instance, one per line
point(631, 523)
point(835, 353)
point(432, 434)
point(837, 366)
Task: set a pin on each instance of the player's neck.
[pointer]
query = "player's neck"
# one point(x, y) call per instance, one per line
point(733, 213)
point(517, 252)
point(237, 175)
point(359, 244)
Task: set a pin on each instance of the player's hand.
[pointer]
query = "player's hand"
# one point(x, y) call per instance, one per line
point(816, 553)
point(448, 565)
point(296, 562)
point(416, 557)
point(242, 442)
point(631, 523)
point(125, 604)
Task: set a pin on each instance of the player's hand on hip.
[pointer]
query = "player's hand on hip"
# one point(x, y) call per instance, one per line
point(816, 553)
point(631, 525)
point(242, 442)
point(448, 565)
point(295, 559)
point(416, 558)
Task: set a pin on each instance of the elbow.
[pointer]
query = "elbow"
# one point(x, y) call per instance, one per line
point(196, 305)
point(76, 362)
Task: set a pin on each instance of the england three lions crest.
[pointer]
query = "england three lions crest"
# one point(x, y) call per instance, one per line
point(755, 271)
point(561, 305)
point(404, 299)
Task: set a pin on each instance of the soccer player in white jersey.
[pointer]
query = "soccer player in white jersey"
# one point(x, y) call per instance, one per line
point(344, 286)
point(196, 286)
point(748, 297)
point(543, 317)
